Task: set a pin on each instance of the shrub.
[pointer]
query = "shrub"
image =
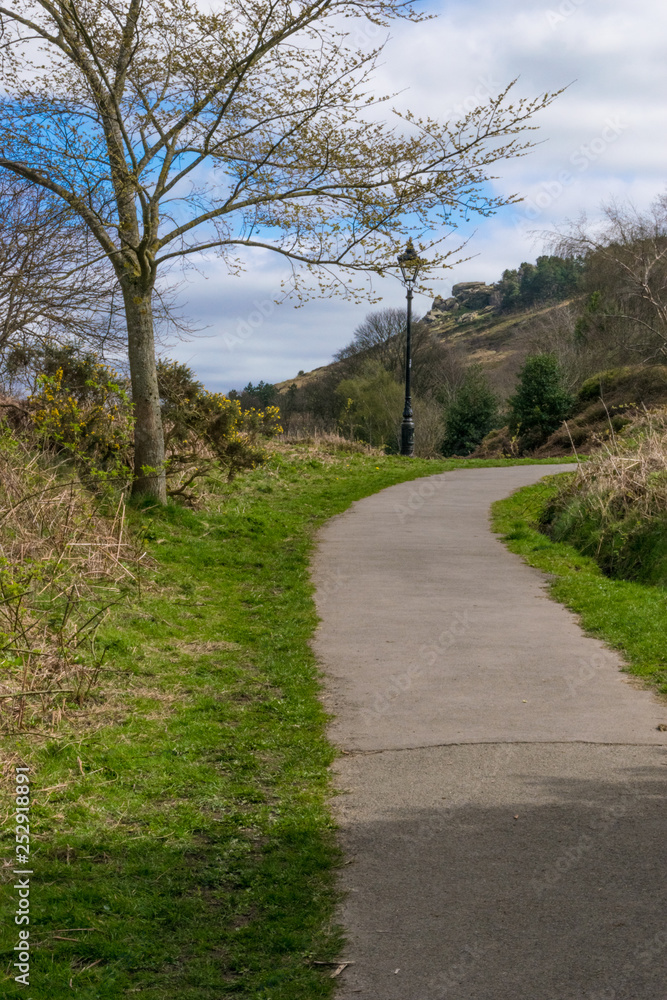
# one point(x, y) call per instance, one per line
point(471, 414)
point(541, 401)
point(372, 405)
point(429, 427)
point(203, 428)
point(615, 508)
point(81, 407)
point(89, 418)
point(63, 563)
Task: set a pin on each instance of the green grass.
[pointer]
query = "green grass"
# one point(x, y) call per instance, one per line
point(627, 545)
point(630, 617)
point(182, 844)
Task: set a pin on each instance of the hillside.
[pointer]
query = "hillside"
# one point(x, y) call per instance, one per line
point(605, 404)
point(498, 341)
point(471, 327)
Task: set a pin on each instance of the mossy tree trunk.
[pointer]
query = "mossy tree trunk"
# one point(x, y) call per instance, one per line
point(149, 471)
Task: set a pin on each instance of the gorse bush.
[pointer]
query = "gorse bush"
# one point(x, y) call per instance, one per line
point(90, 421)
point(204, 429)
point(64, 555)
point(81, 408)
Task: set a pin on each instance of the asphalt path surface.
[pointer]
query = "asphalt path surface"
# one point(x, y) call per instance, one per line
point(501, 780)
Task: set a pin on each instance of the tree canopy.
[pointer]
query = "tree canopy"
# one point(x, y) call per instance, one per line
point(172, 131)
point(541, 401)
point(551, 278)
point(471, 414)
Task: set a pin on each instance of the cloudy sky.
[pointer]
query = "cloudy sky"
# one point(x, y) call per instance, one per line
point(603, 138)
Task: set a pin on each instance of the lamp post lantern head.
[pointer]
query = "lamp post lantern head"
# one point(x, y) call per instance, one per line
point(410, 264)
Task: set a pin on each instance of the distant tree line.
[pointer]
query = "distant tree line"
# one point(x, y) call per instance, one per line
point(551, 279)
point(361, 394)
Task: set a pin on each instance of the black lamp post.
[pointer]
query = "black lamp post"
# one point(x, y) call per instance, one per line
point(409, 263)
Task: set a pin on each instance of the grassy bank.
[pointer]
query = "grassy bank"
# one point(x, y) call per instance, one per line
point(615, 509)
point(182, 846)
point(629, 616)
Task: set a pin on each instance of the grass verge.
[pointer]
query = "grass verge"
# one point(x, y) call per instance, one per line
point(181, 843)
point(630, 617)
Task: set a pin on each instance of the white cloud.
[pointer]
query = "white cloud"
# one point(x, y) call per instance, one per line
point(611, 53)
point(246, 336)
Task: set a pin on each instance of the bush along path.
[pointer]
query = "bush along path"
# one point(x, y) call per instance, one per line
point(181, 842)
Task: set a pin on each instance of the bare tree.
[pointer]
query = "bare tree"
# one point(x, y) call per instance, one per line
point(172, 131)
point(54, 283)
point(625, 277)
point(437, 367)
point(381, 336)
point(57, 288)
point(553, 331)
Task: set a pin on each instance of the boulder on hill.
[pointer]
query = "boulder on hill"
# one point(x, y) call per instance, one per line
point(473, 294)
point(463, 288)
point(465, 295)
point(439, 308)
point(444, 305)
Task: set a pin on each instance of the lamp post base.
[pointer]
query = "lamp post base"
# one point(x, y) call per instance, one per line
point(408, 438)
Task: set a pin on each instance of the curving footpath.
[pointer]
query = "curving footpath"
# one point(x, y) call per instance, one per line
point(501, 780)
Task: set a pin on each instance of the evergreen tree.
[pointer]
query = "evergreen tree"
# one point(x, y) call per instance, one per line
point(549, 280)
point(263, 393)
point(510, 290)
point(471, 414)
point(541, 402)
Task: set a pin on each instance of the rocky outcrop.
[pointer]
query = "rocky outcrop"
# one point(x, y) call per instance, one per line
point(473, 294)
point(465, 295)
point(444, 305)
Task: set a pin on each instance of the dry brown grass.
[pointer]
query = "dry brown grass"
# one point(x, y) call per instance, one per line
point(325, 445)
point(323, 435)
point(628, 474)
point(299, 426)
point(64, 561)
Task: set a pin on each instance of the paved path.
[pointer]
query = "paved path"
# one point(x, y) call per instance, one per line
point(501, 780)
